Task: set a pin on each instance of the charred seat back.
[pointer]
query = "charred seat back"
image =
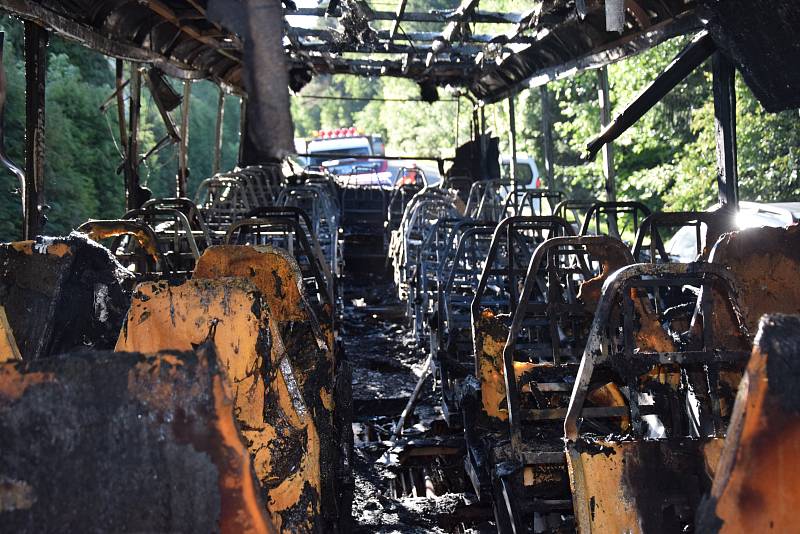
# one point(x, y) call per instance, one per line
point(275, 419)
point(123, 442)
point(765, 262)
point(549, 328)
point(61, 294)
point(602, 218)
point(613, 475)
point(308, 345)
point(497, 294)
point(708, 227)
point(755, 486)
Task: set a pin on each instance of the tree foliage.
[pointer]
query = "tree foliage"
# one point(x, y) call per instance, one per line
point(81, 143)
point(667, 159)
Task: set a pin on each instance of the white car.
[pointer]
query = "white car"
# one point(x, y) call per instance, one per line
point(360, 173)
point(527, 171)
point(683, 245)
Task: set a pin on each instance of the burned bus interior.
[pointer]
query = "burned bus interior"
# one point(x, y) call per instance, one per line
point(337, 338)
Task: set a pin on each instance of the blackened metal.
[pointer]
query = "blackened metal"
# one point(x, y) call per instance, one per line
point(354, 20)
point(547, 138)
point(120, 84)
point(487, 17)
point(724, 84)
point(401, 9)
point(112, 30)
point(162, 90)
point(33, 199)
point(512, 129)
point(636, 210)
point(60, 303)
point(412, 401)
point(134, 193)
point(166, 99)
point(684, 63)
point(778, 338)
point(242, 125)
point(95, 448)
point(573, 43)
point(604, 95)
point(428, 92)
point(653, 225)
point(10, 165)
point(678, 466)
point(483, 141)
point(182, 184)
point(507, 241)
point(467, 244)
point(631, 362)
point(762, 41)
point(563, 314)
point(218, 133)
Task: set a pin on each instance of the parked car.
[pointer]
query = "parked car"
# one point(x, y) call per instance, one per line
point(427, 168)
point(527, 171)
point(683, 245)
point(352, 172)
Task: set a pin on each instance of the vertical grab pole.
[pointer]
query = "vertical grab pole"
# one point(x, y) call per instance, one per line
point(182, 185)
point(547, 138)
point(458, 118)
point(122, 122)
point(36, 39)
point(132, 188)
point(242, 126)
point(512, 125)
point(218, 136)
point(604, 95)
point(483, 142)
point(724, 89)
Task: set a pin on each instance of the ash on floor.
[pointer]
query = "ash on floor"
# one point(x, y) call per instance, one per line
point(386, 367)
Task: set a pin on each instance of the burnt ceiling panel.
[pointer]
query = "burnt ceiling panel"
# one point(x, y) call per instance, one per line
point(571, 41)
point(763, 41)
point(492, 54)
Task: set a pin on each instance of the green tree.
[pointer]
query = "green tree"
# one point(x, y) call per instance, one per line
point(81, 143)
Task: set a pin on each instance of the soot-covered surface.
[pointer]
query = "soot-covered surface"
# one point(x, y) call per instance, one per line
point(386, 367)
point(376, 343)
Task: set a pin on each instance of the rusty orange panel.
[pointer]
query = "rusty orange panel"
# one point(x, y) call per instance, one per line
point(765, 262)
point(271, 270)
point(122, 442)
point(757, 485)
point(611, 259)
point(490, 336)
point(637, 486)
point(8, 345)
point(274, 416)
point(100, 230)
point(308, 345)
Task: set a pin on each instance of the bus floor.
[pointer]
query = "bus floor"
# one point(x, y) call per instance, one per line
point(415, 483)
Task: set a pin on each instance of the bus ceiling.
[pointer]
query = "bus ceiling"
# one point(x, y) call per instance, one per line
point(547, 39)
point(263, 48)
